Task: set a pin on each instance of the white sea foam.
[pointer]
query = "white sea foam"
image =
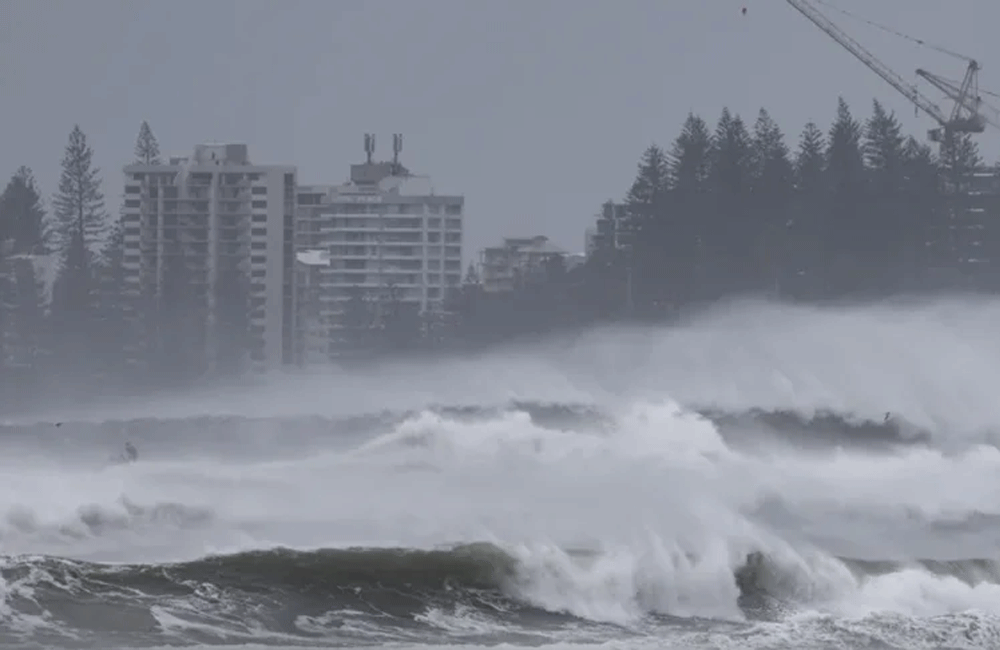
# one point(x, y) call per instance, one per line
point(652, 515)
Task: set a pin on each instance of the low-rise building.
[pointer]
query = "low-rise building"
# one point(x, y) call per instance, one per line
point(608, 231)
point(502, 267)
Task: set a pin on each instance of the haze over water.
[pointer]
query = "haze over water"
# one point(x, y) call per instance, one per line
point(625, 488)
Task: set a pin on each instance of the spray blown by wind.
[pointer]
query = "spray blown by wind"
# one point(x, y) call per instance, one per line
point(762, 476)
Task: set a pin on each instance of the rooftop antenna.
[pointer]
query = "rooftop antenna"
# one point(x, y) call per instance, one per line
point(369, 146)
point(397, 147)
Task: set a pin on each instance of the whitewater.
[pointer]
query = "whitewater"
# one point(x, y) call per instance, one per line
point(758, 476)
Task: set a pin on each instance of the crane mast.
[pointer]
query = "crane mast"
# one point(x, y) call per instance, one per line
point(965, 117)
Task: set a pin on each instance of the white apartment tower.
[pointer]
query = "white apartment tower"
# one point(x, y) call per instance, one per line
point(220, 209)
point(385, 231)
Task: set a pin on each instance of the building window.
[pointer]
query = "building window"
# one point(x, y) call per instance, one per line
point(258, 205)
point(454, 224)
point(258, 259)
point(259, 189)
point(259, 246)
point(258, 273)
point(132, 203)
point(453, 209)
point(260, 218)
point(258, 232)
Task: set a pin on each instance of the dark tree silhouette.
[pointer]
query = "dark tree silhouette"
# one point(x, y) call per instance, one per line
point(22, 217)
point(81, 222)
point(147, 149)
point(647, 221)
point(729, 234)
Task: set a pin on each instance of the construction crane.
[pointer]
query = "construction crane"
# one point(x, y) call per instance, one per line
point(970, 108)
point(967, 116)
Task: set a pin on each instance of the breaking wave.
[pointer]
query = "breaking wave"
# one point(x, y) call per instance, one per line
point(615, 505)
point(478, 592)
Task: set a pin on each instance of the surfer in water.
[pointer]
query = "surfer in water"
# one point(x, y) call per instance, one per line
point(131, 454)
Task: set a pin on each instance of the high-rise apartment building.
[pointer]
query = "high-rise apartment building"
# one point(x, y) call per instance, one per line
point(384, 234)
point(220, 211)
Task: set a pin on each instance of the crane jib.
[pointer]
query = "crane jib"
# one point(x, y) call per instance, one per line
point(967, 114)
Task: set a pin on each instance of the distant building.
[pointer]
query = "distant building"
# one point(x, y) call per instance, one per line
point(216, 204)
point(964, 250)
point(312, 330)
point(590, 240)
point(608, 231)
point(385, 234)
point(573, 260)
point(501, 267)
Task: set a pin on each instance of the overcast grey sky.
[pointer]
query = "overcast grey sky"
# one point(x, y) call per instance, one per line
point(536, 110)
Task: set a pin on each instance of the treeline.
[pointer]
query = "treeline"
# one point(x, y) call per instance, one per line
point(858, 212)
point(71, 325)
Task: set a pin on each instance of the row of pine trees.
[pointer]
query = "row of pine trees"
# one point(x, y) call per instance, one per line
point(56, 273)
point(858, 211)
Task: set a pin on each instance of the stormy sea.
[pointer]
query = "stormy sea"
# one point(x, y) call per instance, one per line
point(758, 476)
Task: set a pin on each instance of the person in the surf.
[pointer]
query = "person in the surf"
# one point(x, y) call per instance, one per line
point(131, 454)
